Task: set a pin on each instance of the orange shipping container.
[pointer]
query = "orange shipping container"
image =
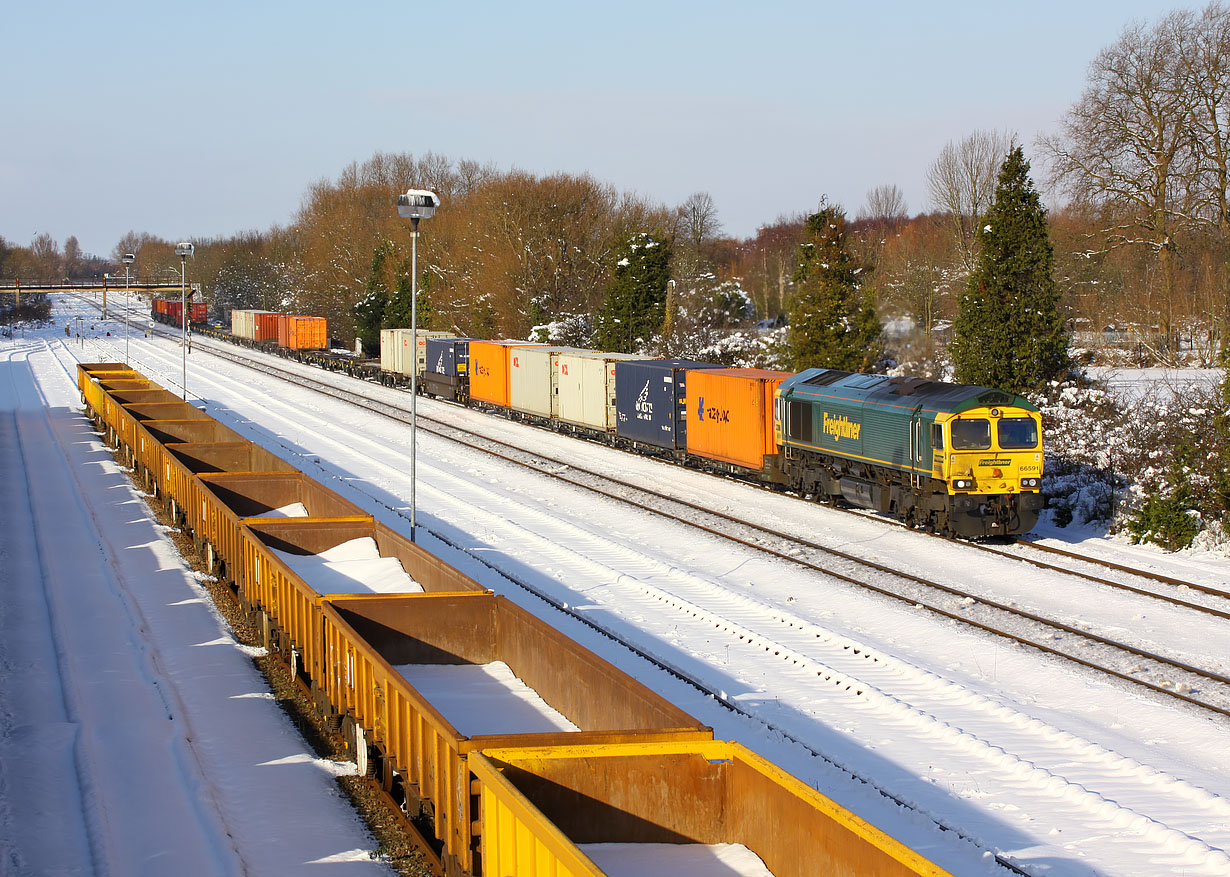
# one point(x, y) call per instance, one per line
point(730, 415)
point(489, 370)
point(302, 333)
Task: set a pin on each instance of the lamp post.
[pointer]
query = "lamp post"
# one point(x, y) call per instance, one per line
point(184, 249)
point(416, 204)
point(128, 259)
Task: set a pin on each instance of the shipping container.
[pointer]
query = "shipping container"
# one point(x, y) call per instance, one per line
point(302, 333)
point(419, 358)
point(390, 350)
point(533, 377)
point(265, 325)
point(448, 356)
point(452, 646)
point(171, 311)
point(543, 811)
point(730, 416)
point(292, 597)
point(254, 325)
point(587, 388)
point(223, 499)
point(399, 353)
point(651, 401)
point(489, 370)
point(447, 370)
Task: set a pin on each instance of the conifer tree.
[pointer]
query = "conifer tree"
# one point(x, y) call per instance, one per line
point(397, 314)
point(369, 311)
point(634, 306)
point(833, 323)
point(1009, 333)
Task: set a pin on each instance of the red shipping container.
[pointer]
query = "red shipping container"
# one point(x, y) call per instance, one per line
point(265, 324)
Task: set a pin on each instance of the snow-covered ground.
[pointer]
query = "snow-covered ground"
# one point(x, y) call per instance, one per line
point(1020, 755)
point(136, 735)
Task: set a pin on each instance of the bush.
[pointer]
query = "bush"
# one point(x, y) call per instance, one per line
point(1168, 522)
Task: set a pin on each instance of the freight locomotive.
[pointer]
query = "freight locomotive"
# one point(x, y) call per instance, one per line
point(948, 457)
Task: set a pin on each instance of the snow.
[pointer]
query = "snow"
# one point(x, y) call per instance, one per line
point(482, 699)
point(136, 737)
point(875, 703)
point(294, 510)
point(676, 860)
point(353, 567)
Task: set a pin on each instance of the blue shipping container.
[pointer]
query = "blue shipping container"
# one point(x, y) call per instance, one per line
point(448, 356)
point(651, 400)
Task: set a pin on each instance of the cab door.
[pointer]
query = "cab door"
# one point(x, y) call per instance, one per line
point(920, 446)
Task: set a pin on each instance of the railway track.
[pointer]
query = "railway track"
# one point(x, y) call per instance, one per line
point(1161, 674)
point(845, 669)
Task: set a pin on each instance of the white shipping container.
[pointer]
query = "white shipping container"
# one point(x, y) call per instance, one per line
point(401, 357)
point(390, 349)
point(586, 386)
point(532, 378)
point(242, 324)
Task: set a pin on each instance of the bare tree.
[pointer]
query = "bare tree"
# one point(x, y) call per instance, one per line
point(885, 202)
point(962, 180)
point(48, 260)
point(699, 219)
point(1128, 146)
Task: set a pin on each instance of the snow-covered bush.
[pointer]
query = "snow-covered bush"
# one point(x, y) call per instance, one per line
point(1154, 467)
point(575, 330)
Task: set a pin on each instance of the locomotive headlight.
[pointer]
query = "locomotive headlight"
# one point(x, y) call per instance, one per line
point(1029, 482)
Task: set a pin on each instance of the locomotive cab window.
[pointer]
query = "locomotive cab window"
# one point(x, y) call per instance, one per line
point(1018, 433)
point(971, 435)
point(937, 437)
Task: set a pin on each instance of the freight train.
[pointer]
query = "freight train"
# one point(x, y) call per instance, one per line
point(953, 459)
point(171, 312)
point(384, 636)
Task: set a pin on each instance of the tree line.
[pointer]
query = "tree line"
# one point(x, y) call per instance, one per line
point(1137, 239)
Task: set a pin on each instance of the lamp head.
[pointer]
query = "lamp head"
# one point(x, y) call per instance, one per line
point(417, 204)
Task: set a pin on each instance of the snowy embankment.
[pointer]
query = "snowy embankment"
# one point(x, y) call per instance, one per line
point(1049, 767)
point(136, 736)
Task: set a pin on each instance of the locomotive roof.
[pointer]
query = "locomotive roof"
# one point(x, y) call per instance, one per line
point(896, 391)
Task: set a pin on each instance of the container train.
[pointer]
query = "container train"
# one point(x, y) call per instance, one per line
point(171, 312)
point(953, 459)
point(384, 635)
point(957, 460)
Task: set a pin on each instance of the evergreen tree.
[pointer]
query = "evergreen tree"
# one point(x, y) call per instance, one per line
point(397, 314)
point(1221, 426)
point(833, 322)
point(635, 303)
point(369, 311)
point(1009, 333)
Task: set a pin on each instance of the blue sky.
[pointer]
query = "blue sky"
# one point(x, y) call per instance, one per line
point(213, 118)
